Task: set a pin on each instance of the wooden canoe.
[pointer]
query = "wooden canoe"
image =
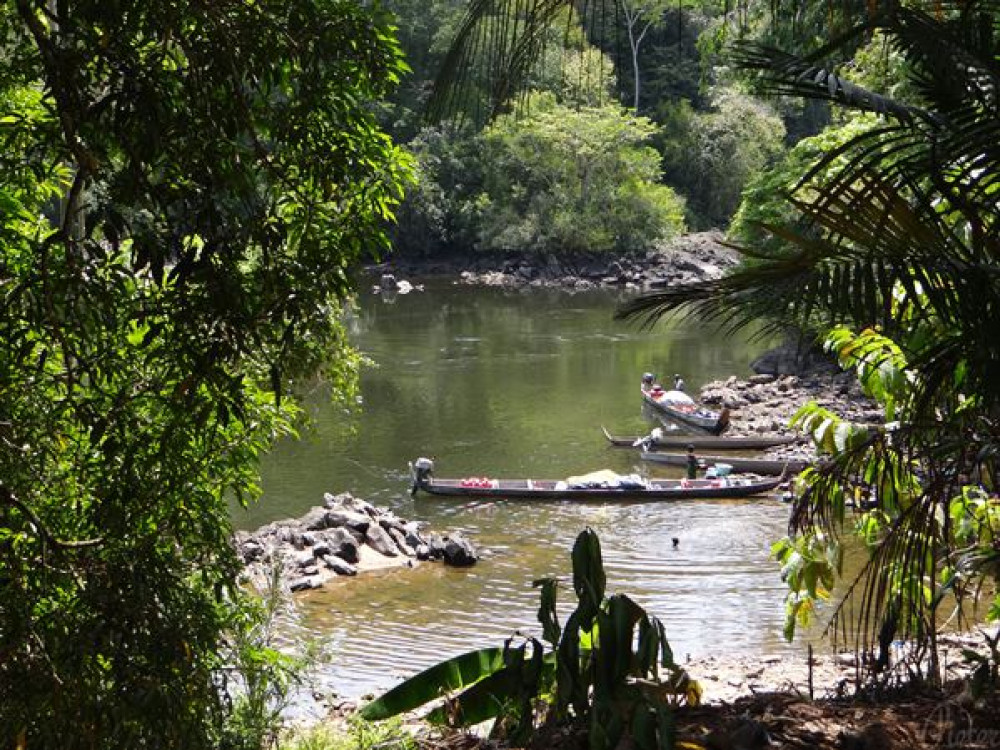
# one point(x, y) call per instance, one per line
point(772, 466)
point(549, 489)
point(713, 442)
point(679, 407)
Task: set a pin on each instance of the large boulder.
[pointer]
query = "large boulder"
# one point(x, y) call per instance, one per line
point(343, 544)
point(354, 521)
point(379, 540)
point(339, 566)
point(459, 552)
point(305, 583)
point(400, 539)
point(413, 537)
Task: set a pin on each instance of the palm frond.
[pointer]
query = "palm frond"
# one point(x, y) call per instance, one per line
point(953, 65)
point(491, 57)
point(784, 74)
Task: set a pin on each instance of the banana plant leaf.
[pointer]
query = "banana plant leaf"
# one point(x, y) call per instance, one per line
point(447, 676)
point(589, 579)
point(488, 697)
point(617, 631)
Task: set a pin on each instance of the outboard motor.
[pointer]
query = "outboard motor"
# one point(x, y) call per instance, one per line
point(388, 283)
point(421, 471)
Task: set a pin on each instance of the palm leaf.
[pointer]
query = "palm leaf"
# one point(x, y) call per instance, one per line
point(488, 63)
point(783, 74)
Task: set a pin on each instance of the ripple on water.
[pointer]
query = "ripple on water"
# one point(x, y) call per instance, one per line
point(517, 385)
point(719, 578)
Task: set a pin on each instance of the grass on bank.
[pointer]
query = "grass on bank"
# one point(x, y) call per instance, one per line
point(354, 734)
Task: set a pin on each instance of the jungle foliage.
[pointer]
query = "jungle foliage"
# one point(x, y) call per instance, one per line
point(892, 234)
point(496, 62)
point(183, 190)
point(601, 672)
point(553, 178)
point(710, 156)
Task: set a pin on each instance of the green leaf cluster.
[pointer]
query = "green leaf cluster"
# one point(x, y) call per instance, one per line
point(929, 528)
point(710, 156)
point(183, 190)
point(602, 672)
point(551, 178)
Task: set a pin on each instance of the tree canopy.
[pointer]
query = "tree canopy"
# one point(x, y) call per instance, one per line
point(184, 188)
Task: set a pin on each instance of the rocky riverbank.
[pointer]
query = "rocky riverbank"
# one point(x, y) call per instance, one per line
point(343, 537)
point(787, 378)
point(692, 257)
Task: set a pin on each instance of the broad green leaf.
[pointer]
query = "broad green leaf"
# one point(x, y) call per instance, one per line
point(547, 609)
point(434, 682)
point(589, 579)
point(487, 698)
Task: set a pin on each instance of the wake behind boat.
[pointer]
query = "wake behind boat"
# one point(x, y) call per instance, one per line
point(679, 407)
point(599, 485)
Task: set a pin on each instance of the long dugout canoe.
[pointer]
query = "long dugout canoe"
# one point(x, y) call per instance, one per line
point(772, 466)
point(713, 442)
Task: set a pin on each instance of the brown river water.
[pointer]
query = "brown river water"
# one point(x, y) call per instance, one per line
point(517, 384)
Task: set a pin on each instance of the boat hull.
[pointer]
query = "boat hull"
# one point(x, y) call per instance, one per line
point(712, 442)
point(658, 490)
point(711, 422)
point(739, 463)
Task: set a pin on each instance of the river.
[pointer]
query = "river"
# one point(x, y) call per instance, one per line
point(517, 383)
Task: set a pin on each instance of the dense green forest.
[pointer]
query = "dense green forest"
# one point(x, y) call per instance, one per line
point(186, 187)
point(665, 135)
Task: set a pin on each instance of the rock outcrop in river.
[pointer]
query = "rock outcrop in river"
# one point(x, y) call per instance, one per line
point(343, 536)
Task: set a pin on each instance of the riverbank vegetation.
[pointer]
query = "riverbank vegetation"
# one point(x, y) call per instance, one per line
point(182, 190)
point(185, 188)
point(557, 178)
point(874, 250)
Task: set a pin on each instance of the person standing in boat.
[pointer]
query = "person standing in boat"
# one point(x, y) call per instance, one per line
point(421, 471)
point(692, 463)
point(678, 382)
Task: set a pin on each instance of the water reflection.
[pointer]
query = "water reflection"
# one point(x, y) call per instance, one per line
point(517, 384)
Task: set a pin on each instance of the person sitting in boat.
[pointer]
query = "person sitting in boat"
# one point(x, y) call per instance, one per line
point(649, 382)
point(692, 463)
point(678, 382)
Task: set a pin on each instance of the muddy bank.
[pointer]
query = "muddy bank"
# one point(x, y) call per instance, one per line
point(751, 703)
point(693, 257)
point(726, 678)
point(343, 537)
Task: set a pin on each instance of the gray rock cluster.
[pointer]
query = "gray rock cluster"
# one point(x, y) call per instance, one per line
point(693, 257)
point(765, 403)
point(338, 539)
